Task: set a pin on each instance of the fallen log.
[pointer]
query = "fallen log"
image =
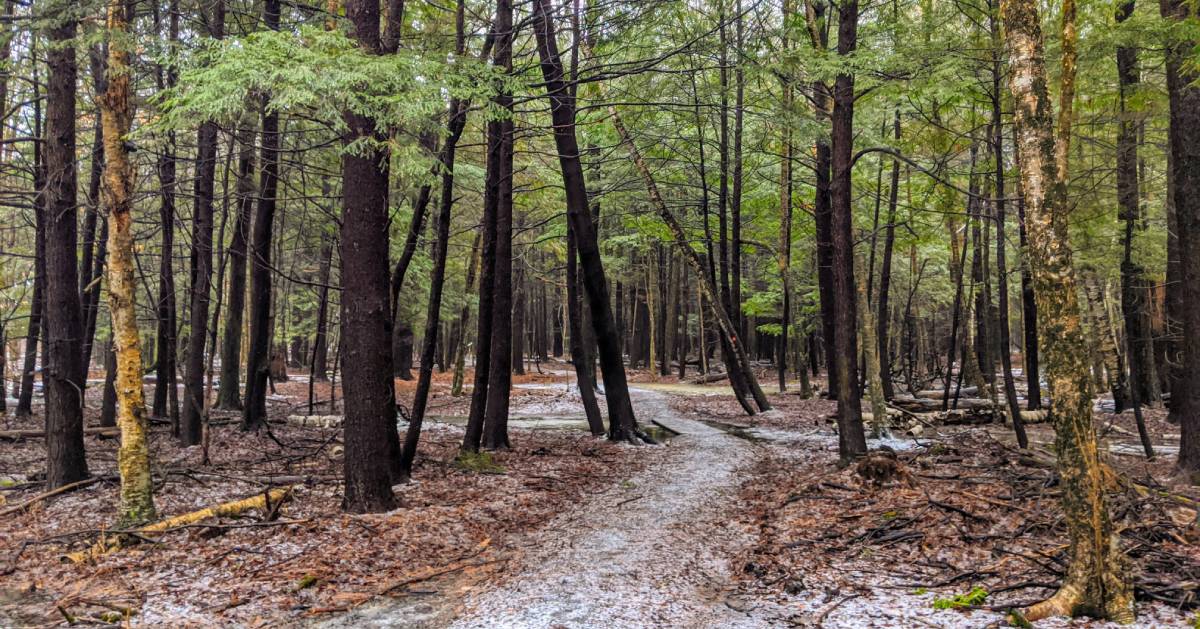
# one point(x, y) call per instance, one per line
point(53, 492)
point(709, 377)
point(266, 501)
point(317, 421)
point(99, 431)
point(939, 393)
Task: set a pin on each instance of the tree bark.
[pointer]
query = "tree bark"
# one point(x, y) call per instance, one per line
point(1184, 137)
point(116, 113)
point(495, 417)
point(851, 438)
point(89, 271)
point(369, 394)
point(622, 422)
point(254, 406)
point(195, 406)
point(1097, 581)
point(229, 395)
point(62, 373)
point(1010, 389)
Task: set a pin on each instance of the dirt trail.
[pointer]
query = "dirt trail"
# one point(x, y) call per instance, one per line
point(650, 552)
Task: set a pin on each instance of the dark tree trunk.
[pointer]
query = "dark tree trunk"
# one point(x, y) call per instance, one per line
point(320, 355)
point(402, 333)
point(579, 355)
point(1029, 308)
point(1010, 389)
point(495, 418)
point(108, 400)
point(519, 322)
point(89, 299)
point(254, 407)
point(62, 372)
point(38, 303)
point(370, 415)
point(1185, 136)
point(882, 311)
point(487, 261)
point(735, 206)
point(622, 423)
point(194, 404)
point(229, 395)
point(851, 438)
point(1140, 354)
point(457, 121)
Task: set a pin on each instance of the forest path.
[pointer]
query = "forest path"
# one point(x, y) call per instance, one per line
point(652, 551)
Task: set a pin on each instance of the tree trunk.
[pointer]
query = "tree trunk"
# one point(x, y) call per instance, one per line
point(737, 364)
point(1097, 581)
point(116, 112)
point(89, 271)
point(851, 438)
point(229, 395)
point(464, 317)
point(254, 406)
point(369, 395)
point(194, 403)
point(62, 373)
point(457, 115)
point(495, 417)
point(1010, 389)
point(37, 304)
point(1184, 136)
point(882, 313)
point(1029, 314)
point(622, 422)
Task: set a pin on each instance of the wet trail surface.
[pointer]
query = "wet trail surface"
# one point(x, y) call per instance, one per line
point(649, 552)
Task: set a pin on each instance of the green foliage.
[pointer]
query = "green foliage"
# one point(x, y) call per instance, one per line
point(976, 596)
point(324, 73)
point(478, 462)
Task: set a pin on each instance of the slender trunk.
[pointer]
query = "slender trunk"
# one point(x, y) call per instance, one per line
point(37, 304)
point(851, 438)
point(1097, 581)
point(88, 270)
point(495, 417)
point(116, 111)
point(369, 395)
point(254, 406)
point(229, 395)
point(1010, 389)
point(735, 206)
point(457, 120)
point(464, 317)
point(320, 355)
point(882, 312)
point(622, 422)
point(62, 373)
point(737, 363)
point(194, 401)
point(1029, 309)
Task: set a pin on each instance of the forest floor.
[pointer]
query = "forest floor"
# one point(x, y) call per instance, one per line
point(735, 522)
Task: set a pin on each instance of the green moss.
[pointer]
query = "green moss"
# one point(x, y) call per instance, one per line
point(307, 581)
point(478, 462)
point(7, 482)
point(921, 591)
point(976, 596)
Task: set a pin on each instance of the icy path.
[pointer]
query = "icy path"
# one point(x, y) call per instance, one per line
point(646, 553)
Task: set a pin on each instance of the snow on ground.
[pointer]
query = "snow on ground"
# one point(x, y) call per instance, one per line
point(639, 555)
